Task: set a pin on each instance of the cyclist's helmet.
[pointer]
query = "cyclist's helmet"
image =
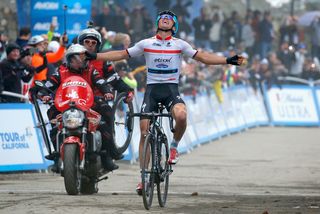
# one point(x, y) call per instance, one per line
point(175, 20)
point(35, 40)
point(74, 61)
point(90, 33)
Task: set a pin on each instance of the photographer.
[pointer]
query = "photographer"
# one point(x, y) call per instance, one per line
point(15, 68)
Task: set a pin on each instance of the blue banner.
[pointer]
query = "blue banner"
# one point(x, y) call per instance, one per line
point(71, 19)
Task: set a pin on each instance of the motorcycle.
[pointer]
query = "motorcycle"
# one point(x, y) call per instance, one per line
point(78, 140)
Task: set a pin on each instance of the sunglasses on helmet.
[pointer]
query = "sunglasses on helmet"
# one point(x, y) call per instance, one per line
point(166, 16)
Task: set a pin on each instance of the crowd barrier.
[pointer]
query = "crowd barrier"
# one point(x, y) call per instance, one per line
point(22, 147)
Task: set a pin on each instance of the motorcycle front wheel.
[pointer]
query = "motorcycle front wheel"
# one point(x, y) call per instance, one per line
point(72, 173)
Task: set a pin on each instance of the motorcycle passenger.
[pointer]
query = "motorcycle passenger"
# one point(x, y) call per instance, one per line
point(91, 40)
point(163, 60)
point(77, 65)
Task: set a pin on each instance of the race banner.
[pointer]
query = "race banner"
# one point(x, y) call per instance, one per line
point(20, 147)
point(69, 15)
point(292, 105)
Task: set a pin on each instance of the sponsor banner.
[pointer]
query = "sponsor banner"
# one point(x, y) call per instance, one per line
point(258, 108)
point(229, 113)
point(292, 105)
point(218, 115)
point(237, 98)
point(77, 14)
point(20, 147)
point(317, 97)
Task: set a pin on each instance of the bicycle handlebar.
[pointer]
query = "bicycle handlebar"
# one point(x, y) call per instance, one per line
point(155, 114)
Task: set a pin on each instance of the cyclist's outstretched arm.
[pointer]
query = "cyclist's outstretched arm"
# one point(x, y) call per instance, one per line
point(113, 55)
point(214, 59)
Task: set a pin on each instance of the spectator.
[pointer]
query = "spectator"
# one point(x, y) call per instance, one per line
point(38, 43)
point(248, 37)
point(311, 71)
point(121, 41)
point(162, 5)
point(181, 9)
point(184, 28)
point(3, 43)
point(105, 19)
point(24, 36)
point(123, 70)
point(215, 33)
point(286, 55)
point(14, 69)
point(296, 67)
point(266, 34)
point(315, 37)
point(202, 27)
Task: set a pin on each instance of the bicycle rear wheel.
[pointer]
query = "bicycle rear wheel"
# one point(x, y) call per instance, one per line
point(122, 123)
point(147, 173)
point(165, 170)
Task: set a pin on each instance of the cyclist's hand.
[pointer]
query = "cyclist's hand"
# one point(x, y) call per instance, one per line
point(108, 96)
point(236, 60)
point(129, 97)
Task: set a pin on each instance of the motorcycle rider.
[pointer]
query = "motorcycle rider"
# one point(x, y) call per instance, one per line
point(77, 65)
point(91, 40)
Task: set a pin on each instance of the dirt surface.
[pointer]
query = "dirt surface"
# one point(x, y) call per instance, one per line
point(262, 170)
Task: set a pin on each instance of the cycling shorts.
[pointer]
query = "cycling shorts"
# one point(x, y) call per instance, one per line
point(165, 93)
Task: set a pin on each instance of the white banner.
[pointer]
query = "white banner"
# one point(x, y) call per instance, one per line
point(20, 148)
point(294, 105)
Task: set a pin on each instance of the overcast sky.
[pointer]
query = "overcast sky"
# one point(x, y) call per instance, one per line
point(277, 3)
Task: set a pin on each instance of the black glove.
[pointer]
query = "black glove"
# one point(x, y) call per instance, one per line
point(233, 60)
point(90, 56)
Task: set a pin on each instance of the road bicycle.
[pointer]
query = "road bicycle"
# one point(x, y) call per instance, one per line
point(155, 156)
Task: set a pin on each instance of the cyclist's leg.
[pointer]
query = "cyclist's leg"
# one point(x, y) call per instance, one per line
point(179, 114)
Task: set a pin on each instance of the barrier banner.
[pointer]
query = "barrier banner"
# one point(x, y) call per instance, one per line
point(292, 105)
point(77, 14)
point(258, 108)
point(20, 147)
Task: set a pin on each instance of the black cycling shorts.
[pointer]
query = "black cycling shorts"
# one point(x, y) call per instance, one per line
point(165, 93)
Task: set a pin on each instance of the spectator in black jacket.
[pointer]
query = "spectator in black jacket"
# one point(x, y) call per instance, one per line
point(15, 68)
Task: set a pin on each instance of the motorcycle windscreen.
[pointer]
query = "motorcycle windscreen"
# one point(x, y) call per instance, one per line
point(75, 90)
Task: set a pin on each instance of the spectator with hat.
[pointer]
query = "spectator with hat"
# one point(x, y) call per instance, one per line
point(14, 70)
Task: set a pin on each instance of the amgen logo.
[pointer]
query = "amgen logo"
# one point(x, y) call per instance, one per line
point(42, 26)
point(47, 5)
point(77, 9)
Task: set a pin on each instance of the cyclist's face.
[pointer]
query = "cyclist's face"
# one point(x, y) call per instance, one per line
point(166, 21)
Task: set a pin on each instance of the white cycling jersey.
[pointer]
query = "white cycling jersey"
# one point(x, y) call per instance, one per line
point(163, 57)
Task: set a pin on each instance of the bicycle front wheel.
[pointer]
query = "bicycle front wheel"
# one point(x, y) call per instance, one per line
point(164, 170)
point(122, 123)
point(147, 173)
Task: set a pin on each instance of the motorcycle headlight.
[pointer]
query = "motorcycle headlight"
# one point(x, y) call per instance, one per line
point(73, 118)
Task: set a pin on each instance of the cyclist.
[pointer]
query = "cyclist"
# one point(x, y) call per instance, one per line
point(91, 40)
point(163, 60)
